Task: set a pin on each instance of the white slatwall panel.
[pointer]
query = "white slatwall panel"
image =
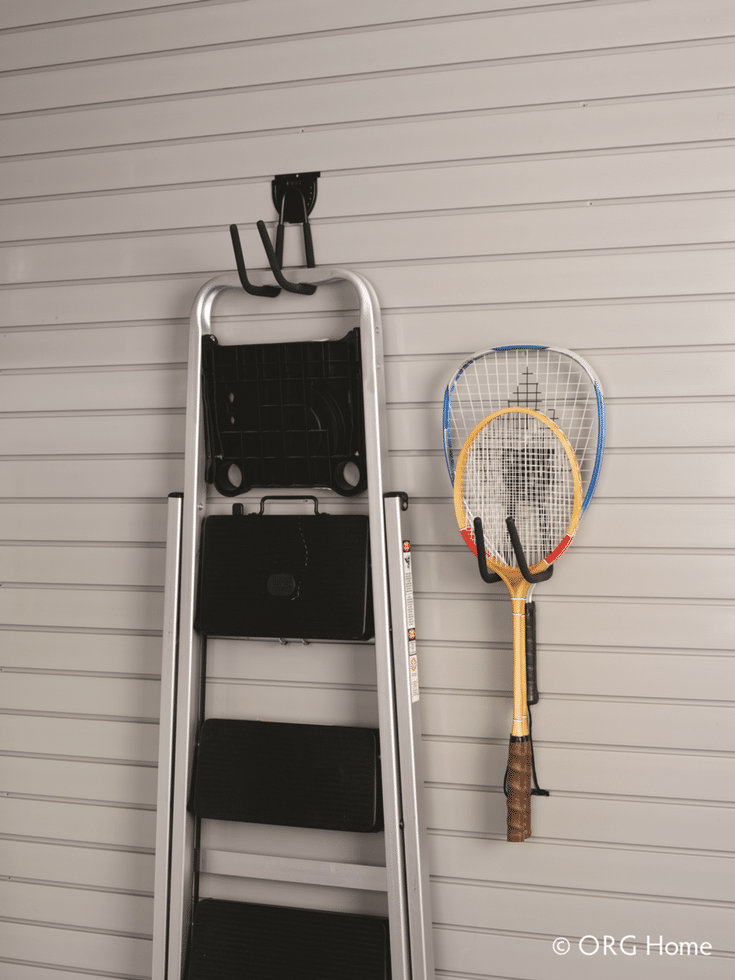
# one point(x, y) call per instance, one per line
point(501, 170)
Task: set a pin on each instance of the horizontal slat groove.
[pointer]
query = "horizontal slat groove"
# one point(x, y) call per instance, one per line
point(497, 789)
point(83, 845)
point(77, 886)
point(448, 833)
point(581, 746)
point(502, 886)
point(80, 971)
point(90, 760)
point(417, 72)
point(76, 801)
point(575, 599)
point(519, 157)
point(380, 170)
point(77, 715)
point(76, 928)
point(561, 696)
point(489, 931)
point(116, 8)
point(83, 586)
point(284, 35)
point(379, 216)
point(318, 128)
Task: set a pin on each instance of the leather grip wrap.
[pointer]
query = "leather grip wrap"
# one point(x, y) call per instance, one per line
point(531, 686)
point(518, 786)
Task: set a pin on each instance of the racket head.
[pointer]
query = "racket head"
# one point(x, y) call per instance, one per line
point(518, 463)
point(552, 380)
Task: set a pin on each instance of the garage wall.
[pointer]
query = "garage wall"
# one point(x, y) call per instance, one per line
point(501, 171)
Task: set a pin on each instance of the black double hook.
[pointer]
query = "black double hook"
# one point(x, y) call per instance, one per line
point(286, 185)
point(487, 575)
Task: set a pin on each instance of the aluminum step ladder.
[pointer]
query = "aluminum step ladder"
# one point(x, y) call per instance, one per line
point(179, 859)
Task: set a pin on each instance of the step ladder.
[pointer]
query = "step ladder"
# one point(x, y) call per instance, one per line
point(180, 858)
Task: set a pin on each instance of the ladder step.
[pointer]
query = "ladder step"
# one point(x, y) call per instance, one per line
point(232, 940)
point(317, 776)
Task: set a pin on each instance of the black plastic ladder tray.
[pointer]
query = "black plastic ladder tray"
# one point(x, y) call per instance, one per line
point(187, 931)
point(284, 415)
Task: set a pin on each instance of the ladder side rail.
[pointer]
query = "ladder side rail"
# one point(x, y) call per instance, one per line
point(164, 796)
point(408, 717)
point(183, 824)
point(371, 339)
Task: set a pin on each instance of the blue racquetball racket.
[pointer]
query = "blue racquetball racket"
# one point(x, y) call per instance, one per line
point(551, 380)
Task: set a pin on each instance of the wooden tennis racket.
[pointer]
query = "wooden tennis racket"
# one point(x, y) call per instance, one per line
point(517, 472)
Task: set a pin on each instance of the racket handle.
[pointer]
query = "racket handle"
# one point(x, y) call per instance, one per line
point(531, 686)
point(518, 787)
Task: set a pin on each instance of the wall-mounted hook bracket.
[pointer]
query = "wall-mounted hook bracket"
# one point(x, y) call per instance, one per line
point(293, 212)
point(294, 196)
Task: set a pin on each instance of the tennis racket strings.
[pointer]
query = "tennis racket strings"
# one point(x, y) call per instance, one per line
point(551, 380)
point(517, 468)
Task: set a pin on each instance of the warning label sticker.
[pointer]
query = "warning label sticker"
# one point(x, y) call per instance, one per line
point(408, 583)
point(414, 666)
point(410, 621)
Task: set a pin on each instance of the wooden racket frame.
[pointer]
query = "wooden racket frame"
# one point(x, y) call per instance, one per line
point(519, 759)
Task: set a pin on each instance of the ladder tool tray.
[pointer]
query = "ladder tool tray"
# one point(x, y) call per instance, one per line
point(301, 576)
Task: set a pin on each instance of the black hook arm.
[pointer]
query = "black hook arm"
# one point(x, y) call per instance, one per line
point(280, 230)
point(487, 575)
point(521, 558)
point(290, 287)
point(248, 286)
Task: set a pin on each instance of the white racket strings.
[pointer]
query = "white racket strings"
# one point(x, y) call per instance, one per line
point(516, 467)
point(556, 383)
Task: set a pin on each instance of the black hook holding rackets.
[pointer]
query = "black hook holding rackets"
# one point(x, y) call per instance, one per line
point(290, 287)
point(487, 575)
point(242, 272)
point(522, 563)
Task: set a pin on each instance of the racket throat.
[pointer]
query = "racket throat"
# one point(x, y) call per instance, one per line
point(520, 726)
